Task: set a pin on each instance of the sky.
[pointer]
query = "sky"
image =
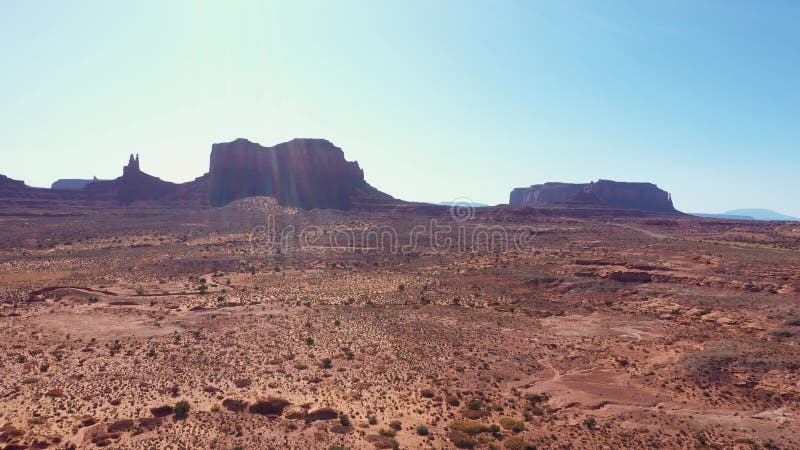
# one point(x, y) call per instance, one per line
point(435, 99)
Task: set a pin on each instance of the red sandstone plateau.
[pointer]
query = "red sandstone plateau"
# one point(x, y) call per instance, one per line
point(643, 196)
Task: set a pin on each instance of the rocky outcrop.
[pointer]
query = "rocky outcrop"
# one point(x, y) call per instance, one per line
point(134, 185)
point(71, 184)
point(11, 184)
point(642, 196)
point(307, 173)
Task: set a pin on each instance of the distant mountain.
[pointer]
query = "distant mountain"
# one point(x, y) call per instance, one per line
point(71, 183)
point(750, 214)
point(762, 214)
point(723, 216)
point(468, 204)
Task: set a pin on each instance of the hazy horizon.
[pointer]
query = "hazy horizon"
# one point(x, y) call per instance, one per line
point(436, 101)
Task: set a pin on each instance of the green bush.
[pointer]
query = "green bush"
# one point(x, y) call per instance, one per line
point(181, 410)
point(471, 428)
point(510, 424)
point(517, 443)
point(461, 439)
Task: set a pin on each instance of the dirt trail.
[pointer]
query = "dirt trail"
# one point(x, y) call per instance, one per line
point(640, 230)
point(77, 288)
point(109, 293)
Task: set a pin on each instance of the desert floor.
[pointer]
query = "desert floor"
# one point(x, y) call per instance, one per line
point(599, 333)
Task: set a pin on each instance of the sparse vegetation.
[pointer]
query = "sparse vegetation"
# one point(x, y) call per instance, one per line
point(474, 405)
point(514, 425)
point(299, 358)
point(517, 443)
point(181, 410)
point(470, 427)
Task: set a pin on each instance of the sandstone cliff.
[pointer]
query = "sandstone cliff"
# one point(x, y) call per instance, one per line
point(544, 194)
point(307, 173)
point(644, 196)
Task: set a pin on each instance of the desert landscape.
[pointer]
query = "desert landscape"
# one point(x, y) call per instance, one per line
point(412, 225)
point(264, 325)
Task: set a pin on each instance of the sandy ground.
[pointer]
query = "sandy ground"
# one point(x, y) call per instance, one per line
point(676, 333)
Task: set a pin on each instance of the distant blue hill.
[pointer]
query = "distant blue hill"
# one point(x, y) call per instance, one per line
point(763, 214)
point(723, 216)
point(469, 204)
point(750, 214)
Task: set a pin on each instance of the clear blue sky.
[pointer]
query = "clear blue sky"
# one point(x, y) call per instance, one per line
point(435, 99)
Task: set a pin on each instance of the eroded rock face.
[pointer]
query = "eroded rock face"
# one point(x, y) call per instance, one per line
point(135, 185)
point(545, 194)
point(644, 196)
point(308, 173)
